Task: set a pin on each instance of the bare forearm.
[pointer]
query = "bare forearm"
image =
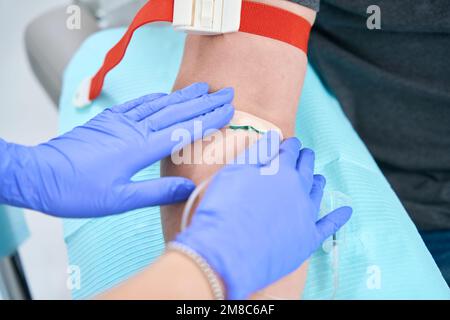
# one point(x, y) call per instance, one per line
point(172, 277)
point(267, 74)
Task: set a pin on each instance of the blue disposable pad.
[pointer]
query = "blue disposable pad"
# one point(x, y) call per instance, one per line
point(383, 255)
point(13, 230)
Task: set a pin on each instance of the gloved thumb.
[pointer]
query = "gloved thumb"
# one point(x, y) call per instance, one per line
point(332, 222)
point(156, 192)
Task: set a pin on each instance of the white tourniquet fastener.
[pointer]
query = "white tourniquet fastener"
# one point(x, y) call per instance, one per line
point(207, 17)
point(81, 98)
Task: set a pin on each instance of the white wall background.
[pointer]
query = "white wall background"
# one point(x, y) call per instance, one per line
point(28, 116)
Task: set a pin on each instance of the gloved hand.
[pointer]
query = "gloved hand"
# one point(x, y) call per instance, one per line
point(253, 229)
point(87, 172)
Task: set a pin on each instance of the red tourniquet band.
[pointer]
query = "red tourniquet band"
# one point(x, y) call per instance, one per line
point(256, 18)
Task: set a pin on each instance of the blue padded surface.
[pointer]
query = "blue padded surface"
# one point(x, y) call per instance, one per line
point(381, 242)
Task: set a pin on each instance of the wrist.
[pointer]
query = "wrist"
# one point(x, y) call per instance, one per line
point(15, 182)
point(4, 158)
point(202, 272)
point(173, 276)
point(223, 257)
point(8, 170)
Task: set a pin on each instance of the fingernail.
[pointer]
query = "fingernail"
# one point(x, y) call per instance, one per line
point(307, 153)
point(183, 191)
point(227, 108)
point(294, 142)
point(322, 180)
point(202, 85)
point(349, 209)
point(347, 212)
point(198, 86)
point(224, 92)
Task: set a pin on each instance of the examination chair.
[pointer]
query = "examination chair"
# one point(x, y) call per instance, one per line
point(50, 44)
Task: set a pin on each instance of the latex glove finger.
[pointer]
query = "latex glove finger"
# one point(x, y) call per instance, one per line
point(156, 192)
point(332, 222)
point(181, 134)
point(263, 152)
point(127, 106)
point(189, 109)
point(289, 152)
point(317, 191)
point(305, 167)
point(147, 109)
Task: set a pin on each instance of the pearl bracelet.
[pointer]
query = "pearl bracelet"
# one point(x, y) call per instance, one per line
point(211, 276)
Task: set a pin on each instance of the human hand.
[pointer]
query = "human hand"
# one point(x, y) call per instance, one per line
point(87, 172)
point(253, 229)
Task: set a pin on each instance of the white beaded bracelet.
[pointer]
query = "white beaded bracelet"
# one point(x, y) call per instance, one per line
point(211, 276)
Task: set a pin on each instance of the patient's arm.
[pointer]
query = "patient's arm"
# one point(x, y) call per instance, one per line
point(267, 76)
point(173, 276)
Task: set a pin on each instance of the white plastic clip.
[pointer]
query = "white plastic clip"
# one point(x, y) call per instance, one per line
point(81, 99)
point(207, 17)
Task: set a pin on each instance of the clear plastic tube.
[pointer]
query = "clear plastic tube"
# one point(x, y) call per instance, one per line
point(187, 212)
point(331, 201)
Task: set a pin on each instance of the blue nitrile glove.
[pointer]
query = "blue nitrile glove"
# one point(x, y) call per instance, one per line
point(254, 229)
point(87, 172)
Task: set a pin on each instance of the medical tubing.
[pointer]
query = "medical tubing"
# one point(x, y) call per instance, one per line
point(333, 200)
point(335, 268)
point(190, 203)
